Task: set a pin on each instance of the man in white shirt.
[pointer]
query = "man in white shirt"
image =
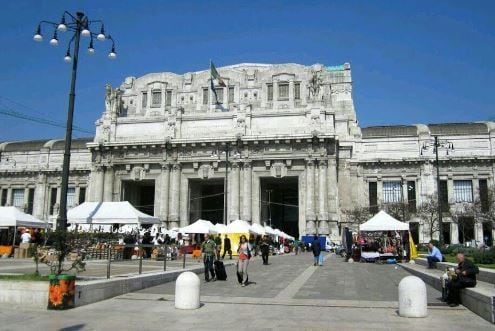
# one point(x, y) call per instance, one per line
point(26, 237)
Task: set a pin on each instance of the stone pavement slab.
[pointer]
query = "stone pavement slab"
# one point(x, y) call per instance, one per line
point(314, 298)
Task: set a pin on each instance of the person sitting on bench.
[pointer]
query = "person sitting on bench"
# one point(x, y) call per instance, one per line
point(465, 277)
point(434, 255)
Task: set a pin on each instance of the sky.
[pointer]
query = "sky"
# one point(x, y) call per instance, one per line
point(411, 61)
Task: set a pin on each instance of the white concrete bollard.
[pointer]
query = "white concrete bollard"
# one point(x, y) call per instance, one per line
point(187, 291)
point(351, 260)
point(412, 297)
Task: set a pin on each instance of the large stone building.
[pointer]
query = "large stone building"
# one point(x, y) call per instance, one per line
point(284, 137)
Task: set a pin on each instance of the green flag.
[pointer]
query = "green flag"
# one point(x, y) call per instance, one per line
point(215, 76)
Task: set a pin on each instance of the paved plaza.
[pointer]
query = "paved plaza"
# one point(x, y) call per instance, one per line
point(288, 293)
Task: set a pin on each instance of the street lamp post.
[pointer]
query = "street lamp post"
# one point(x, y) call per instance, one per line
point(80, 25)
point(448, 146)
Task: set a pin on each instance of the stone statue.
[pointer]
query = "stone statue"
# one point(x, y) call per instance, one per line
point(113, 101)
point(314, 86)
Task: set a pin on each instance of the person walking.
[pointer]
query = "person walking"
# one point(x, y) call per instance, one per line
point(434, 255)
point(316, 247)
point(218, 243)
point(244, 251)
point(208, 248)
point(265, 249)
point(227, 247)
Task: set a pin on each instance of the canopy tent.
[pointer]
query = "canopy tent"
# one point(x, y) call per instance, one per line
point(239, 226)
point(121, 212)
point(259, 229)
point(269, 230)
point(383, 222)
point(11, 216)
point(200, 226)
point(220, 227)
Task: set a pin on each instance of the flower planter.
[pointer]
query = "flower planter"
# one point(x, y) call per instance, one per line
point(61, 292)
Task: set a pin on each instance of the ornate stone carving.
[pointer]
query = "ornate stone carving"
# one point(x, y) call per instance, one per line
point(138, 173)
point(113, 101)
point(314, 85)
point(205, 171)
point(278, 170)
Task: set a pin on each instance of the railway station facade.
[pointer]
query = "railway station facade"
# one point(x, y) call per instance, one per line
point(285, 140)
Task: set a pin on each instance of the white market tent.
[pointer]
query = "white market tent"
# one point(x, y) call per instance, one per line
point(269, 230)
point(383, 222)
point(121, 212)
point(220, 227)
point(258, 228)
point(239, 226)
point(11, 216)
point(200, 226)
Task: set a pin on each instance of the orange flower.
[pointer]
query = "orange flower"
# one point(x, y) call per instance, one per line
point(67, 286)
point(55, 296)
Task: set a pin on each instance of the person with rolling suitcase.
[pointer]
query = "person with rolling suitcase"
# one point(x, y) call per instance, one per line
point(220, 270)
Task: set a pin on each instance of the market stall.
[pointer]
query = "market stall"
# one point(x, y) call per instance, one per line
point(11, 219)
point(110, 217)
point(235, 230)
point(382, 237)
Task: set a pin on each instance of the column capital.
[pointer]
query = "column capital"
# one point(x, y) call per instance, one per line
point(165, 165)
point(176, 166)
point(235, 164)
point(309, 162)
point(247, 164)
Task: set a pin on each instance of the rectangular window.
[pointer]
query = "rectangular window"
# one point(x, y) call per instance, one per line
point(444, 196)
point(463, 191)
point(392, 192)
point(168, 100)
point(484, 199)
point(4, 197)
point(411, 196)
point(283, 91)
point(269, 92)
point(18, 198)
point(297, 91)
point(231, 94)
point(219, 94)
point(30, 201)
point(82, 194)
point(205, 96)
point(373, 196)
point(144, 100)
point(53, 199)
point(156, 99)
point(71, 194)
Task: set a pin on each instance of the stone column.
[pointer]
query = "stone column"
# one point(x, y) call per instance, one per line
point(454, 233)
point(234, 192)
point(310, 213)
point(26, 199)
point(39, 196)
point(108, 185)
point(184, 201)
point(173, 217)
point(478, 232)
point(246, 195)
point(9, 197)
point(163, 190)
point(97, 184)
point(291, 90)
point(322, 198)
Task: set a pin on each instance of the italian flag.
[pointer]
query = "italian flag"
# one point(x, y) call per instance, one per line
point(215, 77)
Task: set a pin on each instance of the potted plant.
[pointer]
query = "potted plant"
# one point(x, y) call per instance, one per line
point(61, 290)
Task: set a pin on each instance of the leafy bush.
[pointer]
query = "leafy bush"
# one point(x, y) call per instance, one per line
point(484, 256)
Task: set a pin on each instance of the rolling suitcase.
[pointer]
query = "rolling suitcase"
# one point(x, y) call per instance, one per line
point(220, 270)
